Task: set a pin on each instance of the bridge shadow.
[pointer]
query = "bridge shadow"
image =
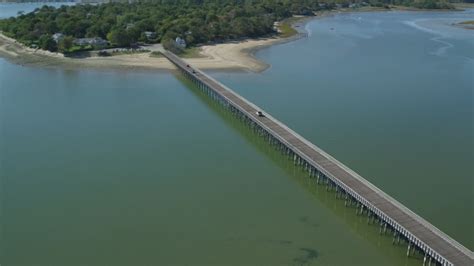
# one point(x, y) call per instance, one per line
point(356, 223)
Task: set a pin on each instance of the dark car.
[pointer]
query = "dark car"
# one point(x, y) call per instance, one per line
point(259, 113)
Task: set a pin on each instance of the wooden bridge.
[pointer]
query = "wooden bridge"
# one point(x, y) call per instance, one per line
point(379, 207)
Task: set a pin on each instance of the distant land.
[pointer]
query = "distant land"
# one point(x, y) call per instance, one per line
point(39, 1)
point(175, 24)
point(52, 1)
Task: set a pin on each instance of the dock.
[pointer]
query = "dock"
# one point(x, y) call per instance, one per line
point(392, 217)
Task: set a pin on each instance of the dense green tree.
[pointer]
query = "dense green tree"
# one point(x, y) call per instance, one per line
point(45, 42)
point(65, 44)
point(197, 21)
point(171, 46)
point(119, 37)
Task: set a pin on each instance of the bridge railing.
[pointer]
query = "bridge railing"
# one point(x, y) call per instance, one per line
point(409, 235)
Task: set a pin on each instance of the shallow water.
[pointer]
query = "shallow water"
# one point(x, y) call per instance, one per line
point(388, 94)
point(131, 168)
point(12, 9)
point(126, 168)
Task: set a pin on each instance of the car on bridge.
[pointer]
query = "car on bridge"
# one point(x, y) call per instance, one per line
point(260, 114)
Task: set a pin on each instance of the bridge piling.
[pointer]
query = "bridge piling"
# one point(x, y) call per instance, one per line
point(405, 224)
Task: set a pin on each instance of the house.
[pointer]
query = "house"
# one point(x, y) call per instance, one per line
point(58, 37)
point(276, 26)
point(95, 42)
point(180, 42)
point(150, 35)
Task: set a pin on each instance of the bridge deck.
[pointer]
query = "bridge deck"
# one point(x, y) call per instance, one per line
point(414, 224)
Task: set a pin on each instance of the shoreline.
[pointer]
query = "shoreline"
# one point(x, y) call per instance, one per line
point(468, 24)
point(226, 56)
point(230, 56)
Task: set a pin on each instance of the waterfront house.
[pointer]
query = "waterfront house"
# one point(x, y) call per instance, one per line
point(95, 42)
point(180, 42)
point(58, 37)
point(276, 26)
point(150, 35)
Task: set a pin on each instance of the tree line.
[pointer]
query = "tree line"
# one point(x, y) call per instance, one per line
point(196, 21)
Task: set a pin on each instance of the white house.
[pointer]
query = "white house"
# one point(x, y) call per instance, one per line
point(96, 42)
point(58, 37)
point(180, 42)
point(150, 34)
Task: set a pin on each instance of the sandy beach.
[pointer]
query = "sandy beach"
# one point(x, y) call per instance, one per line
point(235, 55)
point(231, 56)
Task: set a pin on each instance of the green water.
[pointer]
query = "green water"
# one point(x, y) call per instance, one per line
point(136, 168)
point(127, 168)
point(391, 96)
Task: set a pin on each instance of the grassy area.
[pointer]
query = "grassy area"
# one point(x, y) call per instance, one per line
point(156, 54)
point(469, 22)
point(286, 28)
point(193, 52)
point(77, 48)
point(129, 51)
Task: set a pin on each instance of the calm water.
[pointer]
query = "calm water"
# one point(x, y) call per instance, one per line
point(139, 168)
point(391, 96)
point(12, 9)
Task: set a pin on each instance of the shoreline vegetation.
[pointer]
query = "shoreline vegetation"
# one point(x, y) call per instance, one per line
point(235, 54)
point(468, 24)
